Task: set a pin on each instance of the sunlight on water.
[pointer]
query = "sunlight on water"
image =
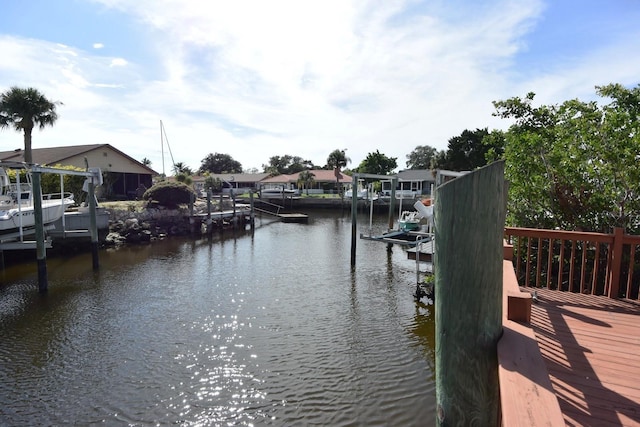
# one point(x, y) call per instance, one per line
point(273, 328)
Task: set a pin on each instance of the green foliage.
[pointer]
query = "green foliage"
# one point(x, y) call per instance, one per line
point(50, 182)
point(574, 165)
point(212, 184)
point(378, 164)
point(170, 193)
point(421, 157)
point(469, 151)
point(181, 169)
point(305, 180)
point(184, 178)
point(220, 163)
point(23, 109)
point(337, 159)
point(287, 165)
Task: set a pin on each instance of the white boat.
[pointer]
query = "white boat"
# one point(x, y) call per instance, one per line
point(362, 195)
point(277, 192)
point(17, 207)
point(409, 221)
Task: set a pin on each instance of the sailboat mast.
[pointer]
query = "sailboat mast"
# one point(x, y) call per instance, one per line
point(162, 148)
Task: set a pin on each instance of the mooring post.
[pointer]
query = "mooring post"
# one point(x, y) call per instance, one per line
point(469, 227)
point(93, 224)
point(209, 227)
point(354, 217)
point(392, 202)
point(41, 251)
point(252, 214)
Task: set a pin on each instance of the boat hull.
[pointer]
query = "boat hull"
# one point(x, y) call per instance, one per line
point(12, 219)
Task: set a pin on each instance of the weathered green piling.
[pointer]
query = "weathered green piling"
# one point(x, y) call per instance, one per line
point(41, 251)
point(469, 227)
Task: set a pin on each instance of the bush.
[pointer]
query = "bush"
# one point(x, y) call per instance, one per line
point(169, 194)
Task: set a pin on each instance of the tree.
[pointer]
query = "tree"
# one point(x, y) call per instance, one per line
point(306, 180)
point(180, 168)
point(286, 165)
point(23, 109)
point(378, 164)
point(421, 157)
point(574, 165)
point(467, 151)
point(220, 163)
point(146, 162)
point(337, 160)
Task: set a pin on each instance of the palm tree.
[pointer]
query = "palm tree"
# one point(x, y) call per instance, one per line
point(146, 162)
point(336, 161)
point(305, 179)
point(22, 109)
point(181, 168)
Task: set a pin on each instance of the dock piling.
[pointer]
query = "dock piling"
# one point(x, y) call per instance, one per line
point(469, 222)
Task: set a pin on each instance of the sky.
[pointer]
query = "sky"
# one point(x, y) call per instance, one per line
point(255, 79)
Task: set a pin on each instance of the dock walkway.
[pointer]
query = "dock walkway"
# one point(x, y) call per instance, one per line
point(591, 348)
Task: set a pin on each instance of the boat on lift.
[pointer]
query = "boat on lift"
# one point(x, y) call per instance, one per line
point(17, 212)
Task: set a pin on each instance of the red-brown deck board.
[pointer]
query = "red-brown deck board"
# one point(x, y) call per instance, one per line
point(591, 347)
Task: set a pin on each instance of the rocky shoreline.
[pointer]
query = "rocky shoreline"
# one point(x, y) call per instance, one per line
point(131, 224)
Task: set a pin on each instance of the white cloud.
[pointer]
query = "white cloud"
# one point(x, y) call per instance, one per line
point(257, 79)
point(118, 62)
point(98, 45)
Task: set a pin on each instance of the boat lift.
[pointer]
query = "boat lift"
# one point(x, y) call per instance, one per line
point(94, 178)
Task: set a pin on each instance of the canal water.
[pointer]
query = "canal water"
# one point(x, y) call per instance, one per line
point(271, 328)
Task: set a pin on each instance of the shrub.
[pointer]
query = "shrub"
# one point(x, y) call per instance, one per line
point(169, 194)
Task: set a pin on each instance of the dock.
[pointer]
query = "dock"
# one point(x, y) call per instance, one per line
point(293, 217)
point(590, 346)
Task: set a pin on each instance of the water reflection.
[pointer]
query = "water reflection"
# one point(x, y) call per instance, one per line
point(269, 328)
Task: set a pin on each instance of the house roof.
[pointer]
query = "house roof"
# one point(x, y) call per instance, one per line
point(416, 175)
point(319, 175)
point(54, 155)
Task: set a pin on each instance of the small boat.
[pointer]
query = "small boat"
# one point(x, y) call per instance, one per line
point(277, 192)
point(17, 207)
point(361, 195)
point(409, 221)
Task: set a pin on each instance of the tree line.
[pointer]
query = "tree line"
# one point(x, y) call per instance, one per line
point(572, 165)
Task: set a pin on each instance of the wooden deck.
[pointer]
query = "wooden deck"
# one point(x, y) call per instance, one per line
point(591, 347)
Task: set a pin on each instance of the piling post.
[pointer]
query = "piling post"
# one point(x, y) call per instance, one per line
point(209, 227)
point(469, 227)
point(41, 252)
point(392, 202)
point(93, 224)
point(354, 217)
point(252, 214)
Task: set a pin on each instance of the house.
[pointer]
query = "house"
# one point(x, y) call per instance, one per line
point(412, 183)
point(239, 182)
point(324, 181)
point(121, 173)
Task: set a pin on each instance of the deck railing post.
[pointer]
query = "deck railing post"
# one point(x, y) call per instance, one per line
point(469, 225)
point(616, 261)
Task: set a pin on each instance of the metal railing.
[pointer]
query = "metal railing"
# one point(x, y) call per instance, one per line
point(595, 263)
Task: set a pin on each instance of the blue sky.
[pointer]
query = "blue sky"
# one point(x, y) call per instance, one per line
point(254, 79)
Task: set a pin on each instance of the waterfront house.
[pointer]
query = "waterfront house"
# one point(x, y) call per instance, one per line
point(324, 181)
point(412, 183)
point(122, 174)
point(239, 182)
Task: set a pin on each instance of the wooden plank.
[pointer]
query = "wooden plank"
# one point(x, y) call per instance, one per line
point(526, 393)
point(590, 345)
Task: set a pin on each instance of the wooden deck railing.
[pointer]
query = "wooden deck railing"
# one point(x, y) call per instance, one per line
point(596, 263)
